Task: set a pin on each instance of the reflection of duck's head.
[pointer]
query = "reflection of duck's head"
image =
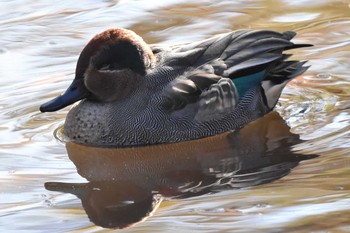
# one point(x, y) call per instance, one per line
point(111, 204)
point(135, 94)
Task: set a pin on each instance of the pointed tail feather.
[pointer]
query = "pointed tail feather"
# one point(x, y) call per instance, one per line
point(278, 78)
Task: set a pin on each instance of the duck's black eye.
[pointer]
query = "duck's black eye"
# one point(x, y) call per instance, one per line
point(111, 66)
point(105, 67)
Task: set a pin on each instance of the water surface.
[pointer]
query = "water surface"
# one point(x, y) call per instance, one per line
point(207, 190)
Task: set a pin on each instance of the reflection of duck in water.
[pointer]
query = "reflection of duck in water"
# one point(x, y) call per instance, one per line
point(126, 184)
point(136, 94)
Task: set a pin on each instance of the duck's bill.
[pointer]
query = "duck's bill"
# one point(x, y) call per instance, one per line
point(75, 92)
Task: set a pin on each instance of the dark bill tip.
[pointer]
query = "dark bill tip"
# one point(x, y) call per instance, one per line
point(54, 104)
point(75, 92)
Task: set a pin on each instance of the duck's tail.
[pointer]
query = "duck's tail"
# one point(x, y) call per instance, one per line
point(278, 77)
point(263, 62)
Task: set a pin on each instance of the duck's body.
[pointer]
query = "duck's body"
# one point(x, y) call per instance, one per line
point(140, 95)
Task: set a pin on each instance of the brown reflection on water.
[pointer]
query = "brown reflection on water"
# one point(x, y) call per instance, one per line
point(126, 185)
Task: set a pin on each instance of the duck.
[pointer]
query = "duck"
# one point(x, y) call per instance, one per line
point(135, 94)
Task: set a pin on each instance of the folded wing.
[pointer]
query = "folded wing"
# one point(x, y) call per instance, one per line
point(223, 68)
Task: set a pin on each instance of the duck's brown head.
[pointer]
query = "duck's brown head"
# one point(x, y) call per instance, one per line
point(109, 68)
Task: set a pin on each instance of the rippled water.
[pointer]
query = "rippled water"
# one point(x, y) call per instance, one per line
point(246, 182)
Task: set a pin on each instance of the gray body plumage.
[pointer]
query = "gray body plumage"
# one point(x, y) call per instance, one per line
point(189, 93)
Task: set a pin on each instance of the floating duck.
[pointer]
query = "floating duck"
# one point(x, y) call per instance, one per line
point(138, 94)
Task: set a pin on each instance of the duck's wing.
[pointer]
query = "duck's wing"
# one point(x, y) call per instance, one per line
point(223, 68)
